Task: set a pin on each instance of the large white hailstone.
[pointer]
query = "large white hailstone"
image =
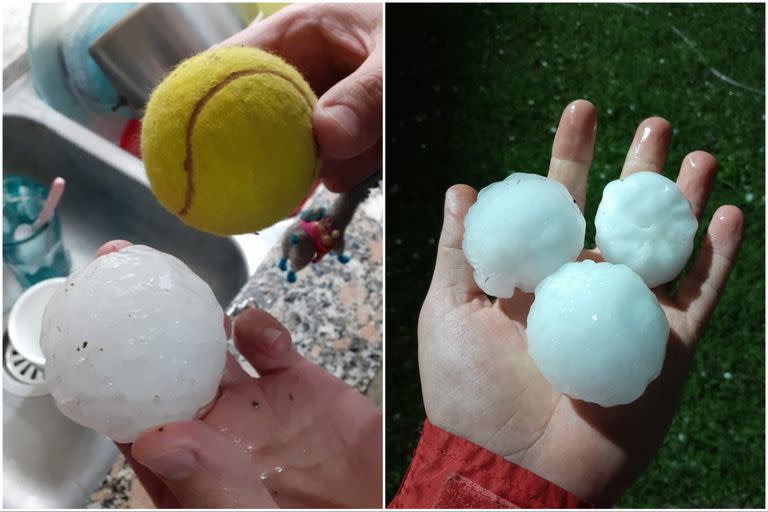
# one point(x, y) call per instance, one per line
point(646, 223)
point(133, 340)
point(597, 333)
point(519, 231)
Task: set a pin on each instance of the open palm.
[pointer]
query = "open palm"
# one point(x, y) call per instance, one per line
point(480, 383)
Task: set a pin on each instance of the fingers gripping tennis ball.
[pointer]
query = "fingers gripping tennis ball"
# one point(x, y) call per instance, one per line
point(227, 140)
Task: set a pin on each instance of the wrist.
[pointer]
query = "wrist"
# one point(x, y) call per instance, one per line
point(599, 464)
point(448, 471)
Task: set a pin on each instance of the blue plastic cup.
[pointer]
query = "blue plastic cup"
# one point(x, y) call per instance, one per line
point(31, 253)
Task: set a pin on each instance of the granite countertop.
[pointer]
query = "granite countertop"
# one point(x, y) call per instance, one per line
point(333, 311)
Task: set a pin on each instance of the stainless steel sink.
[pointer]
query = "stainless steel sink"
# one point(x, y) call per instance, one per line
point(48, 460)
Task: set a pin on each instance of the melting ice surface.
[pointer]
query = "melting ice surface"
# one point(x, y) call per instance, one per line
point(519, 231)
point(597, 333)
point(133, 340)
point(646, 223)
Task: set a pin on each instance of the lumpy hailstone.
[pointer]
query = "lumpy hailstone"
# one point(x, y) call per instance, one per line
point(519, 231)
point(133, 340)
point(597, 333)
point(646, 223)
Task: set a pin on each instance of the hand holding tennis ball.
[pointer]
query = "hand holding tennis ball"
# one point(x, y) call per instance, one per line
point(345, 123)
point(338, 48)
point(227, 140)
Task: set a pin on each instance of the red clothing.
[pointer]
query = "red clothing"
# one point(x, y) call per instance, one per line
point(448, 471)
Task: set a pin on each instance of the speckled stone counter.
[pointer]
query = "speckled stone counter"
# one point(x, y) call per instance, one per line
point(333, 311)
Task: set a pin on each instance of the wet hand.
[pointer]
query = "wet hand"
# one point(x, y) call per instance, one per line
point(478, 380)
point(294, 437)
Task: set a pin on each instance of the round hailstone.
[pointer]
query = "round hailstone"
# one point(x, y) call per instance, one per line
point(519, 231)
point(597, 333)
point(133, 340)
point(646, 223)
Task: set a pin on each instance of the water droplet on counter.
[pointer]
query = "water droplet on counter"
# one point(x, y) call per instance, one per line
point(263, 475)
point(279, 469)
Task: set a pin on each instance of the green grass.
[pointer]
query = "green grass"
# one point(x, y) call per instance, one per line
point(474, 91)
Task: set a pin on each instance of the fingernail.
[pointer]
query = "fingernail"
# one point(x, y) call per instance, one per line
point(173, 465)
point(269, 337)
point(346, 117)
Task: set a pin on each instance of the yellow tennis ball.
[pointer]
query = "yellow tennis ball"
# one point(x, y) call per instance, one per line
point(227, 140)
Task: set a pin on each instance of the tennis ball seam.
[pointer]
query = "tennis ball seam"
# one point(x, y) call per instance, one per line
point(198, 108)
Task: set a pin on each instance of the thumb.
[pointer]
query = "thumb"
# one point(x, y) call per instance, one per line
point(348, 117)
point(264, 342)
point(201, 467)
point(453, 276)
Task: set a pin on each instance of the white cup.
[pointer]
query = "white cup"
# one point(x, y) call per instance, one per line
point(26, 319)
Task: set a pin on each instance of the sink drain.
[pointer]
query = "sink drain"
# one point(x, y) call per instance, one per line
point(21, 377)
point(21, 368)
